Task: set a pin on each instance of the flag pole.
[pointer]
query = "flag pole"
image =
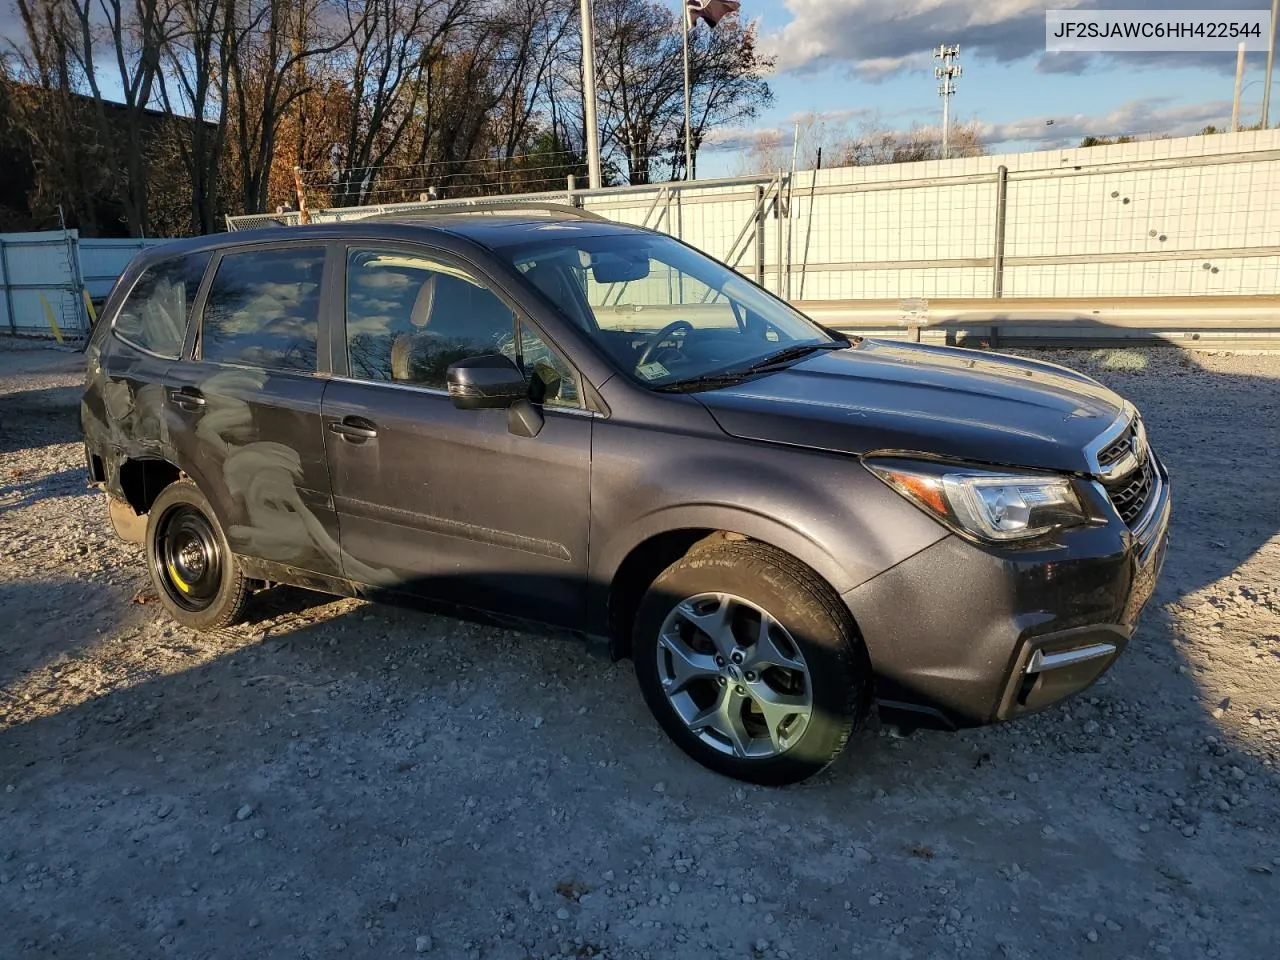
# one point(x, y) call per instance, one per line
point(688, 139)
point(592, 132)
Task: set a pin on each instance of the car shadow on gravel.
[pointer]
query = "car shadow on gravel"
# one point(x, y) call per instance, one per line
point(39, 418)
point(396, 769)
point(16, 491)
point(47, 623)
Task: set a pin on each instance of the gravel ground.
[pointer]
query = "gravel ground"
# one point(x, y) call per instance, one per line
point(336, 779)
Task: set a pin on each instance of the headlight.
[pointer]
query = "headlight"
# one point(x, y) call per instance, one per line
point(990, 505)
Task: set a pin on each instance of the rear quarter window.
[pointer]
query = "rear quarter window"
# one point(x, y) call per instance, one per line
point(155, 314)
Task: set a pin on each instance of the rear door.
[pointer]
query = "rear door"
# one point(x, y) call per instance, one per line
point(440, 502)
point(247, 403)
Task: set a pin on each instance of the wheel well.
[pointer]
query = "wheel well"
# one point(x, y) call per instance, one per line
point(142, 480)
point(640, 568)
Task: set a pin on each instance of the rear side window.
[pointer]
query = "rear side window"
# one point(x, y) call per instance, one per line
point(263, 309)
point(155, 314)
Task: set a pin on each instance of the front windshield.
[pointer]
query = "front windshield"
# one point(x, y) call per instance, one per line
point(665, 313)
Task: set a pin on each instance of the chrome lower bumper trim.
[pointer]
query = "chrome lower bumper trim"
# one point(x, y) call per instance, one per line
point(1041, 661)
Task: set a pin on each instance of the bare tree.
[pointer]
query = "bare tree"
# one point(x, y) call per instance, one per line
point(876, 144)
point(50, 123)
point(641, 81)
point(202, 47)
point(393, 46)
point(726, 81)
point(812, 136)
point(66, 37)
point(535, 34)
point(269, 75)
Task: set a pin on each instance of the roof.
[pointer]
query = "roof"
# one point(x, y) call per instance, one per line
point(492, 230)
point(503, 230)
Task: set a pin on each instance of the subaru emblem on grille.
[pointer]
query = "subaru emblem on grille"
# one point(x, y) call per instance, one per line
point(1139, 442)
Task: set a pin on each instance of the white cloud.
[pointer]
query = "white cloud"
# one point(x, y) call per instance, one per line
point(1150, 116)
point(876, 38)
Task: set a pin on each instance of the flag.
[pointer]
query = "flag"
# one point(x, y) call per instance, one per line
point(712, 11)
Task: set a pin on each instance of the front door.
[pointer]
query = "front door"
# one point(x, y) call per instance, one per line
point(440, 502)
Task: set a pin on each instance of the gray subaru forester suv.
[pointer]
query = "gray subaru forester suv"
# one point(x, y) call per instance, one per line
point(548, 416)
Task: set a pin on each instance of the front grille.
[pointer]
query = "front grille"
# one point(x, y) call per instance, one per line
point(1130, 493)
point(1116, 449)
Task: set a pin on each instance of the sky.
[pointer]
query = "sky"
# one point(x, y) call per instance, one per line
point(859, 61)
point(855, 62)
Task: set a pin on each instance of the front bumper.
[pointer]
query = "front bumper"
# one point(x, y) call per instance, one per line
point(968, 636)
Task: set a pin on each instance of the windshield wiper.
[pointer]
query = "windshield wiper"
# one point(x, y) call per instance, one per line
point(793, 353)
point(729, 377)
point(705, 382)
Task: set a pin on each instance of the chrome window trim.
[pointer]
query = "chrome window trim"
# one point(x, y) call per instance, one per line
point(253, 368)
point(437, 392)
point(141, 349)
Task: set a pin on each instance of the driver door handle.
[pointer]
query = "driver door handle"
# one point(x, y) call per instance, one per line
point(354, 429)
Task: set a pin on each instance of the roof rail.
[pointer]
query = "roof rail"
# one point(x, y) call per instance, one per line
point(447, 207)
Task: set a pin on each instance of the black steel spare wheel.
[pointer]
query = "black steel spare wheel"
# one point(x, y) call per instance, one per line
point(190, 558)
point(196, 576)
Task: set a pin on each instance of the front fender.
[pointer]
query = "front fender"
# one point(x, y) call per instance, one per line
point(823, 509)
point(728, 518)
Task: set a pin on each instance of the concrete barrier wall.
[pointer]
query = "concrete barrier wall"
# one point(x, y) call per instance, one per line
point(1187, 217)
point(1170, 220)
point(54, 268)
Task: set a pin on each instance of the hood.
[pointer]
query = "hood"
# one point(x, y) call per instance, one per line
point(967, 404)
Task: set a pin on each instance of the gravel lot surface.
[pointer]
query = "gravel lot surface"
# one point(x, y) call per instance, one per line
point(336, 779)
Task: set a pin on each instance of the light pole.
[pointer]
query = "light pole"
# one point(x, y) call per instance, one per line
point(592, 131)
point(948, 73)
point(1271, 59)
point(1235, 100)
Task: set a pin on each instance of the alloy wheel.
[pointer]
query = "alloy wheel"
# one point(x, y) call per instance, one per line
point(734, 675)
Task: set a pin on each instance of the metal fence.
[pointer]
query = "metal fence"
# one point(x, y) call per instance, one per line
point(1189, 217)
point(49, 281)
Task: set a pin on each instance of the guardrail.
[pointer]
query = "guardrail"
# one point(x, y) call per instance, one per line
point(1196, 323)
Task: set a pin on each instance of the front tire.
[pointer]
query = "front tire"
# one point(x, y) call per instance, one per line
point(750, 664)
point(192, 568)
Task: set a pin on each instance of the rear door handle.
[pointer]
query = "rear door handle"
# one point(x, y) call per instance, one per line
point(356, 429)
point(187, 397)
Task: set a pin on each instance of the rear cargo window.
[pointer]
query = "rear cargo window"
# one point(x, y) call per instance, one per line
point(263, 308)
point(155, 314)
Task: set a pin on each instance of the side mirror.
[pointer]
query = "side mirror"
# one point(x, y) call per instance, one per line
point(486, 382)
